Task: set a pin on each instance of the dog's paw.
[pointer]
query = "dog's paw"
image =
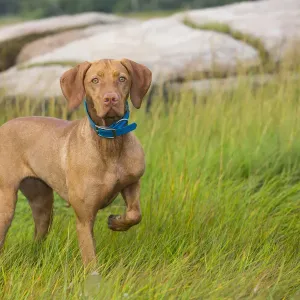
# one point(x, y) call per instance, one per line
point(114, 217)
point(115, 223)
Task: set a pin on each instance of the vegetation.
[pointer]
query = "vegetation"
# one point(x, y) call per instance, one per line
point(146, 15)
point(42, 8)
point(8, 20)
point(220, 201)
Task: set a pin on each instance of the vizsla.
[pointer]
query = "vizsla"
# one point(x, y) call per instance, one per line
point(39, 155)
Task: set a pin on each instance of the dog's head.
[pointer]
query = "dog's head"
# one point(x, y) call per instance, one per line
point(106, 84)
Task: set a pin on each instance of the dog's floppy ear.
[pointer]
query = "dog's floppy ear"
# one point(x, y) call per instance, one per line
point(71, 83)
point(141, 78)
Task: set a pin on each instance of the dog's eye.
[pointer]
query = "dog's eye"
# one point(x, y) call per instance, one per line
point(122, 79)
point(95, 80)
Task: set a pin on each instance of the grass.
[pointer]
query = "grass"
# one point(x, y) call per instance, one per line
point(220, 202)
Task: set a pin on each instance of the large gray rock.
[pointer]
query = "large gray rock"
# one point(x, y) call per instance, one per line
point(39, 82)
point(275, 22)
point(221, 85)
point(51, 42)
point(169, 48)
point(56, 23)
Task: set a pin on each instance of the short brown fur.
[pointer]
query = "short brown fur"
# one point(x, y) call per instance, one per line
point(40, 155)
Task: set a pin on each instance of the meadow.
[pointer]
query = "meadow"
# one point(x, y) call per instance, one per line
point(220, 202)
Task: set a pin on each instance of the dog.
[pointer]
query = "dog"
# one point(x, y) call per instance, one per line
point(88, 162)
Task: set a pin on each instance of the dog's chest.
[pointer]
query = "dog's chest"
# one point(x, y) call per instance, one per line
point(105, 182)
point(128, 169)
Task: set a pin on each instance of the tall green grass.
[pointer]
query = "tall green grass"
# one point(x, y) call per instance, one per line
point(220, 201)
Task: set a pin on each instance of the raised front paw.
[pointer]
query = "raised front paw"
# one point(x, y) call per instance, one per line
point(115, 223)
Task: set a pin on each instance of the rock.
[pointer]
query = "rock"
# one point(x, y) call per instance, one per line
point(54, 41)
point(205, 86)
point(47, 44)
point(275, 22)
point(54, 24)
point(13, 38)
point(169, 48)
point(39, 82)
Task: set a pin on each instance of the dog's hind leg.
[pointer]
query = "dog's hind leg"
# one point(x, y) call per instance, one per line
point(8, 199)
point(40, 198)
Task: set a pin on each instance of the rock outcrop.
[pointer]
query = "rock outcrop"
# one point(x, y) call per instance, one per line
point(275, 22)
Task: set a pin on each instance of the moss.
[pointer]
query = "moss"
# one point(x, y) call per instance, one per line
point(146, 15)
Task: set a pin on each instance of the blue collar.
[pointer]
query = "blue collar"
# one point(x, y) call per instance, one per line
point(118, 128)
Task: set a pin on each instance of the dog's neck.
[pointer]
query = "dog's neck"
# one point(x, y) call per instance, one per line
point(111, 147)
point(106, 147)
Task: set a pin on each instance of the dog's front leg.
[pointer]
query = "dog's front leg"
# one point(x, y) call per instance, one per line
point(85, 218)
point(132, 216)
point(86, 242)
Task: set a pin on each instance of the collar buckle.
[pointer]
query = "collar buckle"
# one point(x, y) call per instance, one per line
point(112, 130)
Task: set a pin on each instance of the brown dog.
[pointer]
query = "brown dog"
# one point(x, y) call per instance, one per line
point(40, 155)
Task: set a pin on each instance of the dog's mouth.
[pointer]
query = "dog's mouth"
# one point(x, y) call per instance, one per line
point(114, 113)
point(112, 116)
point(108, 115)
point(110, 120)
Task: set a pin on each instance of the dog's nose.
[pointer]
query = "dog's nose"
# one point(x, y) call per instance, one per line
point(111, 98)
